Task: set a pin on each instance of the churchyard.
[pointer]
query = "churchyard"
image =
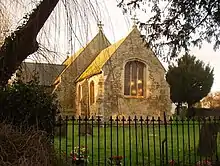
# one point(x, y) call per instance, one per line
point(138, 143)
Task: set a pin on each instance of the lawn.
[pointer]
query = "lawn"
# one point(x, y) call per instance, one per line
point(139, 144)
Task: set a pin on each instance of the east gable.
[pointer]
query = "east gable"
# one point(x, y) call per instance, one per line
point(154, 93)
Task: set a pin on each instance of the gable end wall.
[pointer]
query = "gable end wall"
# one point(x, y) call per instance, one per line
point(156, 98)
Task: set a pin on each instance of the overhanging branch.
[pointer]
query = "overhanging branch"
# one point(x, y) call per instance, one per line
point(23, 42)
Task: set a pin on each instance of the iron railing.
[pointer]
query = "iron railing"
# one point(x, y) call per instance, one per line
point(138, 141)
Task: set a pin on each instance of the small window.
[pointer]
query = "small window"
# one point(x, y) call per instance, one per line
point(134, 79)
point(92, 93)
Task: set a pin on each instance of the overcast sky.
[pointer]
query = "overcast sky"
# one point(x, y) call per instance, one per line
point(120, 25)
point(116, 26)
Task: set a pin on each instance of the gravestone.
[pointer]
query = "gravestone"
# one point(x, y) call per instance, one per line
point(85, 129)
point(208, 139)
point(209, 130)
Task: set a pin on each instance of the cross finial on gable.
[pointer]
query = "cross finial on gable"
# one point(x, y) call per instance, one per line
point(134, 19)
point(100, 25)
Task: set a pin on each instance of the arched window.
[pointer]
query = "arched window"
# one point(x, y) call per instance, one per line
point(92, 93)
point(134, 78)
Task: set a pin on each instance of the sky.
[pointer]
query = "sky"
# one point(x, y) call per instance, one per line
point(84, 26)
point(121, 25)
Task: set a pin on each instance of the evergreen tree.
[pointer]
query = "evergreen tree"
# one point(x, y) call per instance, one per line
point(190, 80)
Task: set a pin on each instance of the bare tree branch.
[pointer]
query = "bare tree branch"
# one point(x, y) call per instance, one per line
point(23, 42)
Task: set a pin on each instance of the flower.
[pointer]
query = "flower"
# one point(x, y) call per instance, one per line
point(204, 163)
point(80, 153)
point(172, 162)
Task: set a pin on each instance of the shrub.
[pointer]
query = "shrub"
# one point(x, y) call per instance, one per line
point(28, 105)
point(30, 148)
point(60, 128)
point(80, 153)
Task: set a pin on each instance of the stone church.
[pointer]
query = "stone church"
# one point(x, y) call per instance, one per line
point(104, 79)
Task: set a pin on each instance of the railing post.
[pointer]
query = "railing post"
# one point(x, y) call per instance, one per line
point(98, 139)
point(92, 140)
point(111, 137)
point(123, 133)
point(129, 132)
point(105, 144)
point(142, 140)
point(183, 138)
point(154, 141)
point(194, 140)
point(136, 139)
point(177, 139)
point(189, 144)
point(73, 135)
point(166, 143)
point(79, 131)
point(171, 136)
point(148, 140)
point(60, 125)
point(66, 125)
point(117, 136)
point(86, 133)
point(160, 148)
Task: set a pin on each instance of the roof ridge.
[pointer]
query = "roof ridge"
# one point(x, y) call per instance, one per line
point(92, 69)
point(120, 42)
point(84, 47)
point(77, 54)
point(92, 64)
point(124, 38)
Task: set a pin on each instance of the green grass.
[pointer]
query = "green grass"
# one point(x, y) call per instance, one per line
point(137, 144)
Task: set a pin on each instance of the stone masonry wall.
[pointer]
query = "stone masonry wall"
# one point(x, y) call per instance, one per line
point(156, 99)
point(66, 90)
point(84, 107)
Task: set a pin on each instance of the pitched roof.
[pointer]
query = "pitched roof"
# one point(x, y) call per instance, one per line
point(47, 73)
point(96, 66)
point(70, 59)
point(84, 56)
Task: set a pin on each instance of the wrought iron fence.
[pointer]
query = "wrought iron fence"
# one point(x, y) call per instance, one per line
point(138, 141)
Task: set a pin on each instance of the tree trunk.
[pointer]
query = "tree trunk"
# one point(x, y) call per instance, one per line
point(178, 109)
point(190, 111)
point(23, 42)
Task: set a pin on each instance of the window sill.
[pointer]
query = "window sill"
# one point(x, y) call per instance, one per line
point(134, 97)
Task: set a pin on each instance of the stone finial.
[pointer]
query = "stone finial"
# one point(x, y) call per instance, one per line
point(134, 19)
point(100, 25)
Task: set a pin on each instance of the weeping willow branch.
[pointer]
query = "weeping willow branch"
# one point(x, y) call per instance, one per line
point(23, 42)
